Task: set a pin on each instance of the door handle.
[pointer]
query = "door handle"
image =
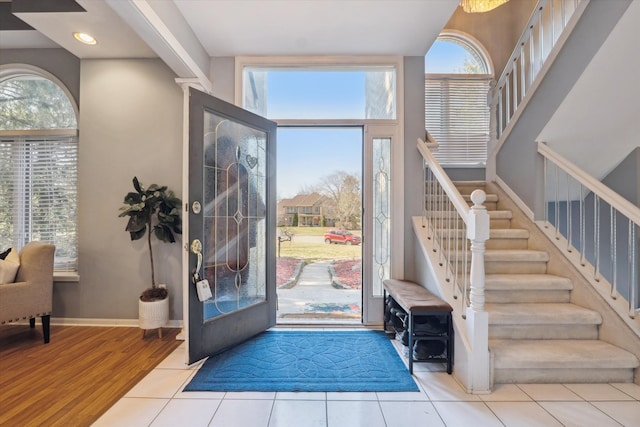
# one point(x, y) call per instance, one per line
point(196, 248)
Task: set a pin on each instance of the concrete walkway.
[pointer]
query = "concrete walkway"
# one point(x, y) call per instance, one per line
point(296, 305)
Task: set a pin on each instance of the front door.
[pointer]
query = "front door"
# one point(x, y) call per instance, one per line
point(231, 225)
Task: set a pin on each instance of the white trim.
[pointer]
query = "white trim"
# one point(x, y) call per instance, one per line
point(126, 323)
point(8, 71)
point(517, 200)
point(325, 62)
point(170, 40)
point(473, 43)
point(40, 132)
point(186, 274)
point(621, 204)
point(66, 276)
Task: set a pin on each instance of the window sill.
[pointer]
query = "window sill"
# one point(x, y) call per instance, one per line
point(66, 276)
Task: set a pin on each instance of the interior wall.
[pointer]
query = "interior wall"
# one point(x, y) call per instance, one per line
point(62, 64)
point(624, 179)
point(413, 129)
point(222, 76)
point(517, 162)
point(499, 40)
point(130, 125)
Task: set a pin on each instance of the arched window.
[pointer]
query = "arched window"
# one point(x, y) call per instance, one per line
point(457, 81)
point(38, 163)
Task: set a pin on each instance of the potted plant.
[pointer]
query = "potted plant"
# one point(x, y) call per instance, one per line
point(152, 211)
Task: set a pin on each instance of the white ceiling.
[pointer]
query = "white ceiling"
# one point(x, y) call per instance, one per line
point(127, 28)
point(316, 27)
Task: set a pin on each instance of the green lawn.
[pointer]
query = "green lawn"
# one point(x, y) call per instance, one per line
point(318, 251)
point(303, 231)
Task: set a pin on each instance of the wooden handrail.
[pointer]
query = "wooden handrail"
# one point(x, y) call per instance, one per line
point(454, 195)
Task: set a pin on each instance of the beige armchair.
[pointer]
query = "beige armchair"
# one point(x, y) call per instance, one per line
point(32, 293)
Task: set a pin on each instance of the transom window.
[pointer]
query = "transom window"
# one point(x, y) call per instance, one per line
point(38, 164)
point(457, 81)
point(340, 92)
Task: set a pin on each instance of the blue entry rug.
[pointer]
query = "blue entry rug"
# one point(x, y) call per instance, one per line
point(307, 361)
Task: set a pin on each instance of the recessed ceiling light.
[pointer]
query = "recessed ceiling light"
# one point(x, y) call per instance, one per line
point(84, 38)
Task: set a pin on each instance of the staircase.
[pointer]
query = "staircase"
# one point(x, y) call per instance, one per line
point(536, 335)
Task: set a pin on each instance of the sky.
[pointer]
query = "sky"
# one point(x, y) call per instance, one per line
point(444, 57)
point(306, 155)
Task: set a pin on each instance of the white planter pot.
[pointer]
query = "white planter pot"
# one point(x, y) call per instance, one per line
point(154, 314)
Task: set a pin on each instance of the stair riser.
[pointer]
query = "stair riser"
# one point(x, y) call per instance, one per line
point(559, 376)
point(450, 222)
point(494, 243)
point(511, 267)
point(543, 332)
point(515, 267)
point(437, 205)
point(468, 189)
point(517, 296)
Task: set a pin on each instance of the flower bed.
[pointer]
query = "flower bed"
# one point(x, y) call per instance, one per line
point(348, 273)
point(286, 269)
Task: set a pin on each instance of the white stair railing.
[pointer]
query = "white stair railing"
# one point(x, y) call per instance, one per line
point(540, 36)
point(597, 223)
point(457, 234)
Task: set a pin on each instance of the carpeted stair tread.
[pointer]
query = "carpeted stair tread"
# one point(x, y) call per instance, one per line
point(493, 255)
point(492, 214)
point(560, 354)
point(494, 233)
point(541, 314)
point(520, 282)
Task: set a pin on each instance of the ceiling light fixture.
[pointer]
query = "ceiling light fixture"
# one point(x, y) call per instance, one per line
point(478, 6)
point(85, 38)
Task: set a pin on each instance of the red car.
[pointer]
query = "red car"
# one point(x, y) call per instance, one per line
point(341, 236)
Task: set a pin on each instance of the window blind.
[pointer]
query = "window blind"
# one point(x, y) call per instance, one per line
point(457, 116)
point(38, 196)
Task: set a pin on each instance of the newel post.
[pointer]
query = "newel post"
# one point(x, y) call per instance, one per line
point(477, 318)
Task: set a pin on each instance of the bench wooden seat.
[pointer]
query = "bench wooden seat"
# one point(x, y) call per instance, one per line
point(416, 301)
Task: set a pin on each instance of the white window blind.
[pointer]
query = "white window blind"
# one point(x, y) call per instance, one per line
point(457, 116)
point(38, 196)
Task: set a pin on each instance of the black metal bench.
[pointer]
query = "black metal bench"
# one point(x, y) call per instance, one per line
point(419, 305)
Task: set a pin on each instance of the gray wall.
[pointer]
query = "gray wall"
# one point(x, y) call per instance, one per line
point(413, 174)
point(517, 161)
point(625, 178)
point(59, 62)
point(130, 124)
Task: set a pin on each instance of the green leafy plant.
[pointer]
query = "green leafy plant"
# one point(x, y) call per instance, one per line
point(154, 210)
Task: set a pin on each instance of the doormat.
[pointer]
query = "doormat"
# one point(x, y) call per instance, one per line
point(328, 307)
point(355, 361)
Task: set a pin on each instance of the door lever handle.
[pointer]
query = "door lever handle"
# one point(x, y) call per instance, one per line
point(196, 248)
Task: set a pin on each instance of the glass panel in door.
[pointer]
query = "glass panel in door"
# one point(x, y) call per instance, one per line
point(231, 225)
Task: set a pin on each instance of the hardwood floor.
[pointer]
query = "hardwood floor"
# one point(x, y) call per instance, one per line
point(75, 378)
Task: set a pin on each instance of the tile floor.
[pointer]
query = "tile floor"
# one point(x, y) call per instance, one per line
point(158, 400)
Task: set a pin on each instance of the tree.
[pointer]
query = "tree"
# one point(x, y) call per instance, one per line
point(344, 198)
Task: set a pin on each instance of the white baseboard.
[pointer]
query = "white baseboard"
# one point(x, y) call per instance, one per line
point(517, 200)
point(129, 323)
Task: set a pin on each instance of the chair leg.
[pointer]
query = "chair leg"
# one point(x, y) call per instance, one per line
point(46, 320)
point(32, 322)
